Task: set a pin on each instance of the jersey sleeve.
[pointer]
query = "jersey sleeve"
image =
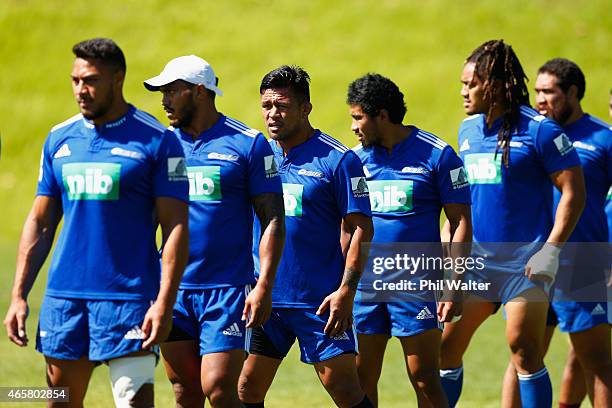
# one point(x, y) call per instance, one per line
point(451, 178)
point(263, 174)
point(555, 148)
point(350, 185)
point(47, 183)
point(170, 171)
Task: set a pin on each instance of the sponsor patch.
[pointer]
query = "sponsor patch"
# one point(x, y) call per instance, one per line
point(415, 170)
point(581, 145)
point(483, 168)
point(204, 183)
point(563, 143)
point(270, 167)
point(220, 156)
point(91, 181)
point(388, 196)
point(459, 178)
point(118, 151)
point(359, 187)
point(292, 196)
point(310, 173)
point(177, 170)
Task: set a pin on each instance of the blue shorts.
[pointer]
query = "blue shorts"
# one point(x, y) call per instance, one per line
point(69, 329)
point(214, 316)
point(505, 286)
point(398, 319)
point(287, 324)
point(574, 317)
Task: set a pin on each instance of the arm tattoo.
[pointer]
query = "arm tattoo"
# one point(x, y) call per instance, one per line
point(351, 277)
point(270, 208)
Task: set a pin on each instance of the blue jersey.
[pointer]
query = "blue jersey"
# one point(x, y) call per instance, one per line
point(609, 213)
point(515, 203)
point(409, 186)
point(107, 180)
point(592, 140)
point(227, 165)
point(322, 182)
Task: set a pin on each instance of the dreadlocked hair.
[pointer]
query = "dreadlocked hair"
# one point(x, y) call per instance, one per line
point(499, 68)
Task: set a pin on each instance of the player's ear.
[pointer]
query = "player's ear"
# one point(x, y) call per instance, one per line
point(572, 92)
point(306, 109)
point(383, 115)
point(118, 78)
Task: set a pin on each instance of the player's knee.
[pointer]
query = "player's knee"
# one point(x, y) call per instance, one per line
point(219, 387)
point(526, 356)
point(343, 391)
point(132, 380)
point(591, 360)
point(187, 396)
point(426, 381)
point(250, 389)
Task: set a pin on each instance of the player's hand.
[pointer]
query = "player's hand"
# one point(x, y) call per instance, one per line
point(450, 306)
point(15, 322)
point(257, 307)
point(543, 265)
point(340, 305)
point(450, 311)
point(156, 325)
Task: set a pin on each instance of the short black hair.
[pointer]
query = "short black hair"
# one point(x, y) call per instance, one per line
point(288, 76)
point(374, 92)
point(568, 73)
point(104, 50)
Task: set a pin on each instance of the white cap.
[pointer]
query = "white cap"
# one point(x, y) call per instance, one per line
point(189, 68)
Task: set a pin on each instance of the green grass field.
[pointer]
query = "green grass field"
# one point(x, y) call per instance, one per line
point(420, 45)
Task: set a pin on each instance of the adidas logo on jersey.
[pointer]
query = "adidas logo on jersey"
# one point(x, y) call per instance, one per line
point(134, 334)
point(341, 336)
point(233, 330)
point(63, 151)
point(464, 146)
point(598, 310)
point(425, 314)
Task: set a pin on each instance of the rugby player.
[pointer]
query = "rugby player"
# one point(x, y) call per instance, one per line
point(327, 217)
point(113, 172)
point(559, 88)
point(426, 175)
point(231, 173)
point(513, 157)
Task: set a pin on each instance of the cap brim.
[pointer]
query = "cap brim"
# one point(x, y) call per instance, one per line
point(153, 84)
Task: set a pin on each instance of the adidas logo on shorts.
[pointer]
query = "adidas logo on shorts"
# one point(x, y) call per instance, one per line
point(425, 314)
point(342, 336)
point(598, 310)
point(134, 334)
point(233, 330)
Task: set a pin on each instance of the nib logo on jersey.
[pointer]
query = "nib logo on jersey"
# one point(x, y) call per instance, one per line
point(91, 181)
point(390, 195)
point(483, 168)
point(292, 196)
point(204, 183)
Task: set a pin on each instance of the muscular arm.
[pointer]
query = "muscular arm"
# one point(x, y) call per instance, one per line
point(570, 182)
point(173, 219)
point(457, 229)
point(34, 246)
point(356, 229)
point(270, 211)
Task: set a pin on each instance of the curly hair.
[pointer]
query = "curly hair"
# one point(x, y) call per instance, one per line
point(374, 92)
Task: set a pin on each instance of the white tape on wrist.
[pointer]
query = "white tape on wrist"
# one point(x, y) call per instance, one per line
point(545, 262)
